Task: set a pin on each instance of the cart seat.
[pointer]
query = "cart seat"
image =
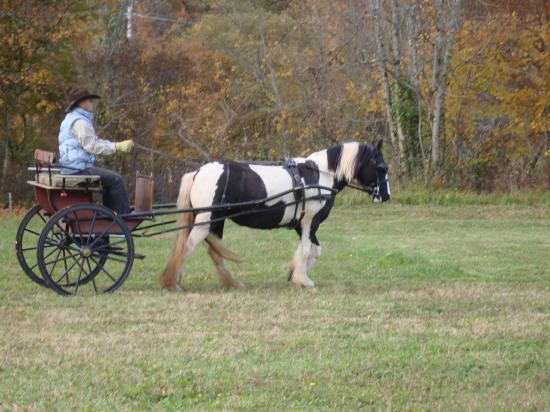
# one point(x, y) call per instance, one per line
point(48, 175)
point(48, 179)
point(68, 181)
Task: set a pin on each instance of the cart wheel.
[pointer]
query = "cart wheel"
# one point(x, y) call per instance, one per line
point(94, 250)
point(26, 243)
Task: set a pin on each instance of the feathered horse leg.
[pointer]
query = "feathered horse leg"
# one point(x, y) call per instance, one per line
point(299, 265)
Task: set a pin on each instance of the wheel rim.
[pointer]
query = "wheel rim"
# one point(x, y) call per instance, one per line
point(26, 243)
point(89, 258)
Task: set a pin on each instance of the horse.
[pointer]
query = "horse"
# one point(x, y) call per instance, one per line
point(253, 189)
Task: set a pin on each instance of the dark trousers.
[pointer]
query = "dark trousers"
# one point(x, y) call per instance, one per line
point(115, 195)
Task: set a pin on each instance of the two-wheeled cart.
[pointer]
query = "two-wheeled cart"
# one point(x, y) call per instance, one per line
point(73, 245)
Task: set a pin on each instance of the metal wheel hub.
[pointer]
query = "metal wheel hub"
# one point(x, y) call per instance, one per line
point(85, 251)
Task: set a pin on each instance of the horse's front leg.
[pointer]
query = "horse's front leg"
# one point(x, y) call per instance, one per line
point(299, 264)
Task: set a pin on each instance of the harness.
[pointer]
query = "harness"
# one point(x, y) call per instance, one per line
point(298, 189)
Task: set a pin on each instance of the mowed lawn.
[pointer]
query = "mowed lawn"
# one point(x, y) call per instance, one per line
point(416, 307)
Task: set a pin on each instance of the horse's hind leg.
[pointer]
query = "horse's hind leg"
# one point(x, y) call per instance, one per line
point(227, 278)
point(197, 235)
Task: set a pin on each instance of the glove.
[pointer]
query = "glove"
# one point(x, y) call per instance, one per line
point(125, 146)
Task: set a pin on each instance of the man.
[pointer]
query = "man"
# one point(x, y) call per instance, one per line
point(79, 145)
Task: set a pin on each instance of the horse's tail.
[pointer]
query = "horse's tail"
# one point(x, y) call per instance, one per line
point(215, 243)
point(169, 278)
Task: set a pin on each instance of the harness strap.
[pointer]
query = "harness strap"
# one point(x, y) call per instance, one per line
point(226, 183)
point(299, 195)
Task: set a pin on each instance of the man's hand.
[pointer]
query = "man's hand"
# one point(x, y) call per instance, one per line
point(125, 146)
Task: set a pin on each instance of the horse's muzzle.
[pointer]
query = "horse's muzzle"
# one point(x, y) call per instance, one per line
point(381, 192)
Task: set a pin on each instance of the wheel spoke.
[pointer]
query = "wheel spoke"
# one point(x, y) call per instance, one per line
point(75, 260)
point(66, 232)
point(91, 229)
point(45, 257)
point(100, 236)
point(63, 258)
point(26, 249)
point(55, 263)
point(79, 276)
point(108, 274)
point(103, 269)
point(49, 242)
point(91, 274)
point(31, 231)
point(66, 273)
point(42, 217)
point(64, 262)
point(71, 247)
point(78, 224)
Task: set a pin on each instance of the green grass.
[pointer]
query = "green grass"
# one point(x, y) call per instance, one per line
point(418, 307)
point(418, 195)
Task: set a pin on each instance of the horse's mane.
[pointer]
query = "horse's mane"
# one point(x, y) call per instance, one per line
point(348, 160)
point(353, 156)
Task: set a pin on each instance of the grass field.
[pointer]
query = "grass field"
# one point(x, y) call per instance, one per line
point(441, 306)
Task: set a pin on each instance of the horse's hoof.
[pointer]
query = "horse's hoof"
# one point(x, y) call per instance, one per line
point(234, 285)
point(308, 284)
point(172, 288)
point(239, 285)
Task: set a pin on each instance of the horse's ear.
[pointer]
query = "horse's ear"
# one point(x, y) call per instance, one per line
point(379, 145)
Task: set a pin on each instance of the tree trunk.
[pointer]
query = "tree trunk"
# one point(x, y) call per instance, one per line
point(375, 5)
point(396, 54)
point(436, 119)
point(6, 161)
point(279, 100)
point(6, 148)
point(415, 77)
point(442, 56)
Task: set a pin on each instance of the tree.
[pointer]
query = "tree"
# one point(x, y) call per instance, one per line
point(36, 69)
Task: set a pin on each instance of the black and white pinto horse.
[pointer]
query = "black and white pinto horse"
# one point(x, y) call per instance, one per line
point(358, 165)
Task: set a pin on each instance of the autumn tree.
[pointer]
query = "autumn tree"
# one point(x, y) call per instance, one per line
point(499, 101)
point(36, 70)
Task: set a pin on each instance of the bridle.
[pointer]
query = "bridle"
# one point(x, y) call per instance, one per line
point(374, 191)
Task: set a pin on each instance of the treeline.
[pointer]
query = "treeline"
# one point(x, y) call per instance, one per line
point(460, 89)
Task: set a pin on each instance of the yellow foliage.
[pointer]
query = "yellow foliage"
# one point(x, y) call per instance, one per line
point(501, 81)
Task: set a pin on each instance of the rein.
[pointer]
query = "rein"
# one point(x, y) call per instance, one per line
point(161, 153)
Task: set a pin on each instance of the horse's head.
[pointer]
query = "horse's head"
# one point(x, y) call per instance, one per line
point(372, 171)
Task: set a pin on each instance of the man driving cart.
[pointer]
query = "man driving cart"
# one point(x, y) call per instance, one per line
point(79, 145)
